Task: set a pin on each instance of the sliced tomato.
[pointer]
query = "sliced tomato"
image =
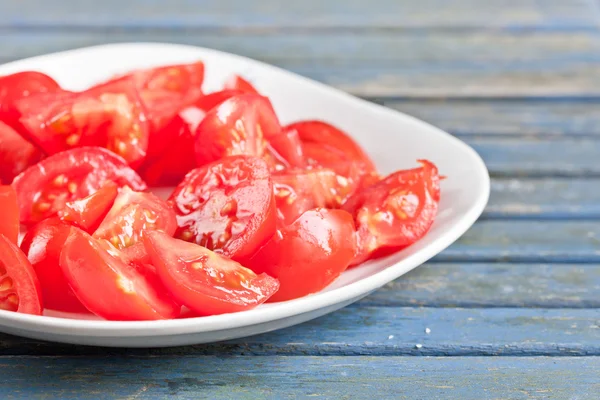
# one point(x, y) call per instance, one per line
point(289, 147)
point(16, 154)
point(19, 286)
point(204, 281)
point(396, 211)
point(9, 213)
point(43, 244)
point(88, 213)
point(299, 190)
point(110, 115)
point(132, 215)
point(22, 84)
point(108, 286)
point(236, 82)
point(227, 206)
point(211, 100)
point(239, 125)
point(309, 254)
point(45, 188)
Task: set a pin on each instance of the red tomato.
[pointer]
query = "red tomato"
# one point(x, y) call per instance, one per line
point(16, 154)
point(19, 286)
point(227, 206)
point(309, 254)
point(43, 189)
point(297, 191)
point(239, 125)
point(108, 286)
point(211, 100)
point(88, 213)
point(134, 214)
point(42, 245)
point(236, 82)
point(396, 211)
point(9, 213)
point(204, 281)
point(289, 147)
point(110, 115)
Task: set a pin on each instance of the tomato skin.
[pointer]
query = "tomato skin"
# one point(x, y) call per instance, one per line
point(309, 254)
point(211, 100)
point(108, 286)
point(289, 146)
point(42, 245)
point(88, 213)
point(227, 206)
point(9, 213)
point(240, 125)
point(132, 215)
point(21, 290)
point(396, 211)
point(236, 82)
point(44, 188)
point(204, 281)
point(16, 154)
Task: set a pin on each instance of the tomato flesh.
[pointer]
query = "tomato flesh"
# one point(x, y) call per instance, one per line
point(44, 189)
point(132, 215)
point(9, 213)
point(227, 206)
point(19, 286)
point(108, 286)
point(87, 213)
point(43, 244)
point(309, 254)
point(204, 281)
point(396, 211)
point(236, 82)
point(16, 154)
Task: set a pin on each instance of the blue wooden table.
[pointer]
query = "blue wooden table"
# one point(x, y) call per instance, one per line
point(511, 311)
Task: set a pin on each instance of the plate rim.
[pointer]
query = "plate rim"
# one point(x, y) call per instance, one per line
point(276, 311)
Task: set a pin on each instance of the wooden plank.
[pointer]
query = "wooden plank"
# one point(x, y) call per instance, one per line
point(467, 378)
point(392, 331)
point(493, 285)
point(239, 14)
point(424, 64)
point(543, 198)
point(527, 242)
point(507, 118)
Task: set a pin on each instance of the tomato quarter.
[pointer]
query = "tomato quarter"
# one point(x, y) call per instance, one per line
point(88, 213)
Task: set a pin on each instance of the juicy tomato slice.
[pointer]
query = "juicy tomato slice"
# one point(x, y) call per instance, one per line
point(9, 213)
point(132, 215)
point(110, 287)
point(204, 281)
point(211, 100)
point(88, 213)
point(299, 190)
point(109, 115)
point(333, 138)
point(19, 286)
point(396, 211)
point(16, 153)
point(236, 82)
point(309, 254)
point(239, 125)
point(23, 84)
point(43, 244)
point(44, 189)
point(227, 206)
point(289, 146)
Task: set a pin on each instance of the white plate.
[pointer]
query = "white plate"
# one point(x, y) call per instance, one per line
point(394, 140)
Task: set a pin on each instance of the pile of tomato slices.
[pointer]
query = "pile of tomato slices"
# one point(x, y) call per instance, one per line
point(260, 211)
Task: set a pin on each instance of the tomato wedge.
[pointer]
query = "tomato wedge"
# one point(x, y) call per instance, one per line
point(9, 213)
point(109, 115)
point(19, 286)
point(227, 206)
point(211, 100)
point(236, 82)
point(43, 244)
point(45, 188)
point(16, 154)
point(204, 281)
point(396, 211)
point(132, 215)
point(88, 213)
point(108, 286)
point(309, 254)
point(240, 125)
